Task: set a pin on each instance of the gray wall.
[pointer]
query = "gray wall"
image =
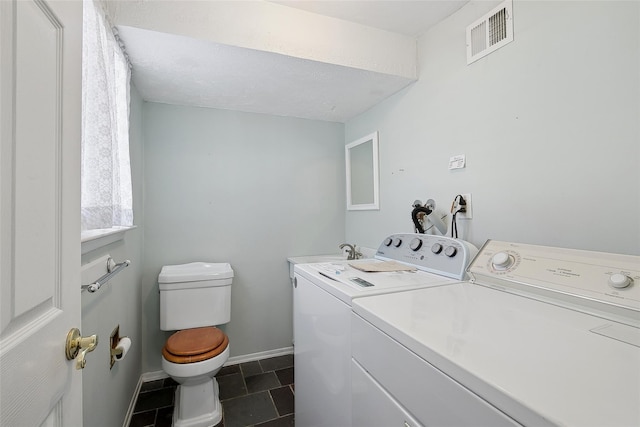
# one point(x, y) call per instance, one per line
point(550, 125)
point(107, 393)
point(249, 189)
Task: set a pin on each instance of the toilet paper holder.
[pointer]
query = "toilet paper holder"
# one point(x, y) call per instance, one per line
point(115, 350)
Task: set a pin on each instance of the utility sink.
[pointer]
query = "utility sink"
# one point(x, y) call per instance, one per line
point(313, 258)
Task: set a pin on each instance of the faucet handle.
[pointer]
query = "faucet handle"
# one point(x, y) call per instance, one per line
point(352, 253)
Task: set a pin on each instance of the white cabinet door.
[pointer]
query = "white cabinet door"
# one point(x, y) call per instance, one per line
point(40, 87)
point(322, 357)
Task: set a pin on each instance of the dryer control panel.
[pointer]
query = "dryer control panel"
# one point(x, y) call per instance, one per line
point(590, 277)
point(441, 255)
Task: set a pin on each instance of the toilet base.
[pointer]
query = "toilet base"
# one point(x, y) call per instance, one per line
point(197, 405)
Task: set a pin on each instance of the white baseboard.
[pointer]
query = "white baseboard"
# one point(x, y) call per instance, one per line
point(132, 404)
point(258, 356)
point(158, 375)
point(153, 376)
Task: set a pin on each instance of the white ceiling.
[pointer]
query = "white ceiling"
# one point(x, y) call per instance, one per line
point(175, 69)
point(180, 70)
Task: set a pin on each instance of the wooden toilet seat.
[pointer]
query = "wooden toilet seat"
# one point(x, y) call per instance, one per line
point(195, 345)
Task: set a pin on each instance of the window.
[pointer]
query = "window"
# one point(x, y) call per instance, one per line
point(106, 201)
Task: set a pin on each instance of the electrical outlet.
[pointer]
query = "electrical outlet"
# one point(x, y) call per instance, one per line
point(468, 214)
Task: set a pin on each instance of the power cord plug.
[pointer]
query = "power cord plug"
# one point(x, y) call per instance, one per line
point(462, 207)
point(459, 204)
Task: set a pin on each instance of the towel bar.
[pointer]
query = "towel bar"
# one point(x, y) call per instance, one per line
point(112, 270)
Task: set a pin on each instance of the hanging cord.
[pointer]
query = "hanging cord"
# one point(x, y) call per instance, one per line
point(417, 215)
point(461, 204)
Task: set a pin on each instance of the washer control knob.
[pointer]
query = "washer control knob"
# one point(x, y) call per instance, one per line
point(501, 261)
point(416, 244)
point(397, 242)
point(619, 280)
point(387, 241)
point(451, 251)
point(436, 248)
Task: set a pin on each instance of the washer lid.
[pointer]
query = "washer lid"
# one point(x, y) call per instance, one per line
point(195, 272)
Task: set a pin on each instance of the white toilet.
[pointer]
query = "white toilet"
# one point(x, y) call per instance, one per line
point(194, 298)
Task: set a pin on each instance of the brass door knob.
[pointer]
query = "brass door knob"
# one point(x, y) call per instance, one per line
point(78, 344)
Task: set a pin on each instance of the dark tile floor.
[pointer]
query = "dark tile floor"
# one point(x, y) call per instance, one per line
point(258, 394)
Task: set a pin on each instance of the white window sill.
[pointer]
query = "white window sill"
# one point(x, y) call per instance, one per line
point(95, 239)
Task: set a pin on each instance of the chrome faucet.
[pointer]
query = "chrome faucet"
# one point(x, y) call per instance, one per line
point(352, 252)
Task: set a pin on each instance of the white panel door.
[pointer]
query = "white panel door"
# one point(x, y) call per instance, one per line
point(40, 84)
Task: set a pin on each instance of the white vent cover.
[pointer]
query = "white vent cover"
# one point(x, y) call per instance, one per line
point(490, 32)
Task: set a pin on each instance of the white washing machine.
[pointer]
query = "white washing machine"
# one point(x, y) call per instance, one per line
point(323, 295)
point(539, 336)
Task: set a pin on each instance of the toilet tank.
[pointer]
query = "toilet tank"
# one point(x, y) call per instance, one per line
point(194, 295)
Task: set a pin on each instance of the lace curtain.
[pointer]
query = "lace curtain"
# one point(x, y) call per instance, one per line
point(106, 199)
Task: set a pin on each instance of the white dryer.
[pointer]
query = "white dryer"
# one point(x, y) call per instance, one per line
point(323, 294)
point(539, 336)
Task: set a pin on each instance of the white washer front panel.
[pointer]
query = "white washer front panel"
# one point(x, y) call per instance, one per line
point(322, 357)
point(373, 406)
point(528, 358)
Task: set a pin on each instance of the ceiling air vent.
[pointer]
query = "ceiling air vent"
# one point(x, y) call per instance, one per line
point(490, 32)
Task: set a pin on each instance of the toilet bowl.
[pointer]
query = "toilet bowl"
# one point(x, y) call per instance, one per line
point(193, 299)
point(197, 402)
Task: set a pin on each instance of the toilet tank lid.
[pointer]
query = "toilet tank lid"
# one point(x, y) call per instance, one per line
point(195, 271)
